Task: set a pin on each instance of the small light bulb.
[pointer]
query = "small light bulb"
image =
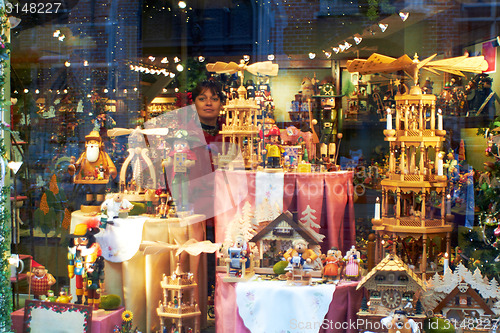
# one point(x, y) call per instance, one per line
point(182, 4)
point(270, 57)
point(404, 15)
point(312, 55)
point(383, 26)
point(180, 68)
point(201, 58)
point(67, 64)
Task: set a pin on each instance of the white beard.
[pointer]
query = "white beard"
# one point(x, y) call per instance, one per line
point(92, 153)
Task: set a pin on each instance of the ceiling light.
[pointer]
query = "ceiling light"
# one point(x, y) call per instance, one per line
point(357, 39)
point(383, 26)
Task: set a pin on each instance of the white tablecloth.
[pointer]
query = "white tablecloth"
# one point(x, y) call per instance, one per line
point(120, 241)
point(274, 307)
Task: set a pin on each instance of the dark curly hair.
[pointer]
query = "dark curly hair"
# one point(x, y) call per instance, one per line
point(214, 87)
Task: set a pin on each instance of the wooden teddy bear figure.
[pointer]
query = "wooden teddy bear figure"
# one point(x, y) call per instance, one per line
point(400, 323)
point(299, 257)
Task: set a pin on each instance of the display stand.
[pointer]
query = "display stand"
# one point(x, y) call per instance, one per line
point(137, 280)
point(415, 136)
point(179, 303)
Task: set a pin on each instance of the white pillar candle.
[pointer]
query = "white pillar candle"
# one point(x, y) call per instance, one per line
point(440, 166)
point(448, 205)
point(389, 119)
point(446, 263)
point(440, 120)
point(377, 209)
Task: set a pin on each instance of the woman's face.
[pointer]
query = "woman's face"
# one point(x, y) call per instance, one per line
point(208, 107)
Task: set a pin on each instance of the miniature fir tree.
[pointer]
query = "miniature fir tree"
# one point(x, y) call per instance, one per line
point(418, 308)
point(309, 220)
point(364, 304)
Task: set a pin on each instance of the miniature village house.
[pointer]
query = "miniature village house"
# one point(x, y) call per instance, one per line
point(391, 285)
point(460, 296)
point(275, 238)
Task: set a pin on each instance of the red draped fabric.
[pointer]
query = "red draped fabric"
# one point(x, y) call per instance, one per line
point(329, 194)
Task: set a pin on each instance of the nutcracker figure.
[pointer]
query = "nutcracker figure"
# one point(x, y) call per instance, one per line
point(84, 252)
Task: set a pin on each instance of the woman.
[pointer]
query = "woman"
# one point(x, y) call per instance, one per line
point(209, 99)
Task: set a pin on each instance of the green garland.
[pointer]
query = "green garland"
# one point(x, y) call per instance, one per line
point(5, 287)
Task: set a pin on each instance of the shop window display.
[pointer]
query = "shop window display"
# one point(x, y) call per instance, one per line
point(343, 145)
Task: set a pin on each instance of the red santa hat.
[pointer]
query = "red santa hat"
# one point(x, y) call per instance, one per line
point(34, 264)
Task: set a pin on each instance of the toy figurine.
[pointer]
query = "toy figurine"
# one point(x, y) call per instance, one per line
point(332, 264)
point(83, 252)
point(176, 302)
point(115, 205)
point(237, 257)
point(63, 296)
point(353, 260)
point(307, 88)
point(400, 323)
point(103, 220)
point(182, 158)
point(51, 296)
point(162, 209)
point(300, 259)
point(94, 159)
point(95, 280)
point(40, 279)
point(149, 197)
point(329, 130)
point(274, 150)
point(300, 250)
point(101, 170)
